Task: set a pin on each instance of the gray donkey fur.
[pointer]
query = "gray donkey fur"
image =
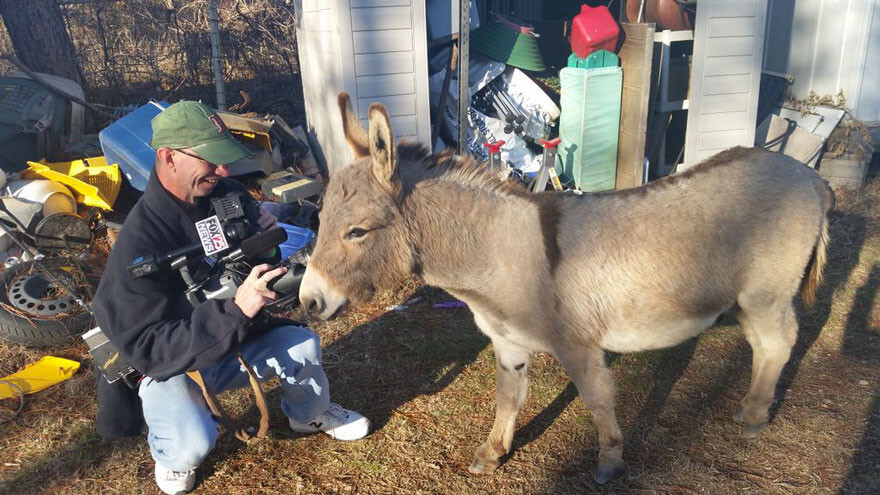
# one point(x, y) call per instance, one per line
point(572, 274)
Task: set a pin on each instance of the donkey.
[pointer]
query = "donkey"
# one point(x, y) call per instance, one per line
point(577, 274)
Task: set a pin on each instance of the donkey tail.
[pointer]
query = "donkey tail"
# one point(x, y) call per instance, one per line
point(820, 250)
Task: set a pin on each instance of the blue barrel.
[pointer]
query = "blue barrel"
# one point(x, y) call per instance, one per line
point(127, 142)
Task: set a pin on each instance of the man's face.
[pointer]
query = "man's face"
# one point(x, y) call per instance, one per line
point(195, 177)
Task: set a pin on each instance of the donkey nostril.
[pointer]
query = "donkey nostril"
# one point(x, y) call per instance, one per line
point(313, 307)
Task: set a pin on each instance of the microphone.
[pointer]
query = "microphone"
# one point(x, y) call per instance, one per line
point(252, 246)
point(151, 263)
point(255, 245)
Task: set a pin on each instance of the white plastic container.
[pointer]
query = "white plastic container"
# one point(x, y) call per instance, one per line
point(55, 197)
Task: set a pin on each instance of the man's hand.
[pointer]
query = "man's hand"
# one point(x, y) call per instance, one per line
point(253, 294)
point(266, 220)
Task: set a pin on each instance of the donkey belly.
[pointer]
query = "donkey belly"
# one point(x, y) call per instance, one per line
point(629, 336)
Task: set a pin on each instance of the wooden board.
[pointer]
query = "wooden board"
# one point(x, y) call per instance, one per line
point(635, 58)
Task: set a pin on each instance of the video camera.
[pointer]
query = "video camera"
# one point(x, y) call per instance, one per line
point(215, 267)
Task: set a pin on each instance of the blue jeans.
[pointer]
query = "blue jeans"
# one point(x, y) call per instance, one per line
point(182, 430)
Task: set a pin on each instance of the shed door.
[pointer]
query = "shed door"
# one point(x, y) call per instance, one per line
point(728, 50)
point(389, 63)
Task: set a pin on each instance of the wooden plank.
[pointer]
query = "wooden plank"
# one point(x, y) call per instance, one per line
point(389, 40)
point(371, 19)
point(636, 58)
point(369, 64)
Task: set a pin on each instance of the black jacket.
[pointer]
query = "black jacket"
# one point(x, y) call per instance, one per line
point(149, 319)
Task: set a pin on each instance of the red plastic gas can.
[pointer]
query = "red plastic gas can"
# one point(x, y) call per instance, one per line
point(593, 29)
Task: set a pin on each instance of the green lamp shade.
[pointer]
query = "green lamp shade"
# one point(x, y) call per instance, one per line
point(511, 47)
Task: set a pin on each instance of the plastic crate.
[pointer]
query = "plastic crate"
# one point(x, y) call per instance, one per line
point(297, 238)
point(94, 183)
point(127, 143)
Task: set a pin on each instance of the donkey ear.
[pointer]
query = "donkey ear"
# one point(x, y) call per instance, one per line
point(351, 127)
point(381, 145)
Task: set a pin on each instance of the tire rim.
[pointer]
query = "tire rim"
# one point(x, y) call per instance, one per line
point(37, 295)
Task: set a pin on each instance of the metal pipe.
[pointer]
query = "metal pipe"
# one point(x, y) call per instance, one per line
point(464, 96)
point(214, 20)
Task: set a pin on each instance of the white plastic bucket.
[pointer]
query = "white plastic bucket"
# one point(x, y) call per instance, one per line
point(55, 197)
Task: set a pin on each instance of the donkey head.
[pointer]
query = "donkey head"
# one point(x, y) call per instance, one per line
point(362, 245)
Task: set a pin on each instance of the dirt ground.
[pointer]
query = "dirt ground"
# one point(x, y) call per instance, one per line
point(425, 377)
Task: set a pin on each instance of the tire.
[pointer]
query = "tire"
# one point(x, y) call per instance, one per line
point(38, 330)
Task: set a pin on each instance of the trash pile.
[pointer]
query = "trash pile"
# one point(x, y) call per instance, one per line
point(52, 208)
point(518, 124)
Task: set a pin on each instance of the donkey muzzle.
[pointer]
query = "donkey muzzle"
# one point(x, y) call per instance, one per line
point(318, 298)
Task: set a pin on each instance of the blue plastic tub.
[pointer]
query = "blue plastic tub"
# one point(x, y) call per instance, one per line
point(127, 142)
point(297, 238)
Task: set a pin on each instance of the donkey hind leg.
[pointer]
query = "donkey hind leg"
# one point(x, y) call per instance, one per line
point(586, 367)
point(771, 330)
point(512, 364)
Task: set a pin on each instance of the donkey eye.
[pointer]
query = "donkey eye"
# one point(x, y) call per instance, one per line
point(355, 233)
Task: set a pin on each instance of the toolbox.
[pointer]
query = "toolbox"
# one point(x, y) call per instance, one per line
point(288, 187)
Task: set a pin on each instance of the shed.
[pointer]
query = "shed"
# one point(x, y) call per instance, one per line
point(375, 50)
point(828, 46)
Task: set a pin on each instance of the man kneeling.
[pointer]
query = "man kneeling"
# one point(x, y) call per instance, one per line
point(163, 336)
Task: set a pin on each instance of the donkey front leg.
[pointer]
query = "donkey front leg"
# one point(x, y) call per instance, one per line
point(586, 367)
point(512, 366)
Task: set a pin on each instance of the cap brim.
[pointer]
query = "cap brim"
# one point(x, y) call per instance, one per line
point(222, 152)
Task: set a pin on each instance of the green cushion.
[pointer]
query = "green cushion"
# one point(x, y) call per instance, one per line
point(589, 125)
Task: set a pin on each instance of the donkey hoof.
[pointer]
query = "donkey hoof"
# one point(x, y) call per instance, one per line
point(752, 431)
point(482, 467)
point(605, 473)
point(739, 415)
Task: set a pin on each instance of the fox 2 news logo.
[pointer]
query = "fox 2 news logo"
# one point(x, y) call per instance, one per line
point(211, 235)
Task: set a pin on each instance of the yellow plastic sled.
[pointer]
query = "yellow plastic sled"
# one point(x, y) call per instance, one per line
point(46, 372)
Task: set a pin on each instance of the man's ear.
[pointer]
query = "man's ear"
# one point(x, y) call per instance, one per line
point(165, 156)
point(351, 127)
point(381, 145)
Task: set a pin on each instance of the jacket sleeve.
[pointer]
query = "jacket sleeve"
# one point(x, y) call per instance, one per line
point(153, 324)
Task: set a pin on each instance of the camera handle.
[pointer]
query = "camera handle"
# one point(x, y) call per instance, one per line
point(192, 287)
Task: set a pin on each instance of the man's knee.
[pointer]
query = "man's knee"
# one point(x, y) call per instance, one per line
point(302, 344)
point(195, 445)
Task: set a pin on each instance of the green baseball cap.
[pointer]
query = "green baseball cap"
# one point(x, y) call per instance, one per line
point(196, 126)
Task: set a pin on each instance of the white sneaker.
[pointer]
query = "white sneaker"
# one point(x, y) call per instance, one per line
point(175, 482)
point(339, 423)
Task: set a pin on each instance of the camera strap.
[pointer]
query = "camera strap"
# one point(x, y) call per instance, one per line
point(217, 410)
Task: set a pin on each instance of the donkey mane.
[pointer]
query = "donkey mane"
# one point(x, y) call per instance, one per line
point(418, 163)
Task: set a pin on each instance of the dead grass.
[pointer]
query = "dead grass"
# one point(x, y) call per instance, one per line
point(426, 378)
